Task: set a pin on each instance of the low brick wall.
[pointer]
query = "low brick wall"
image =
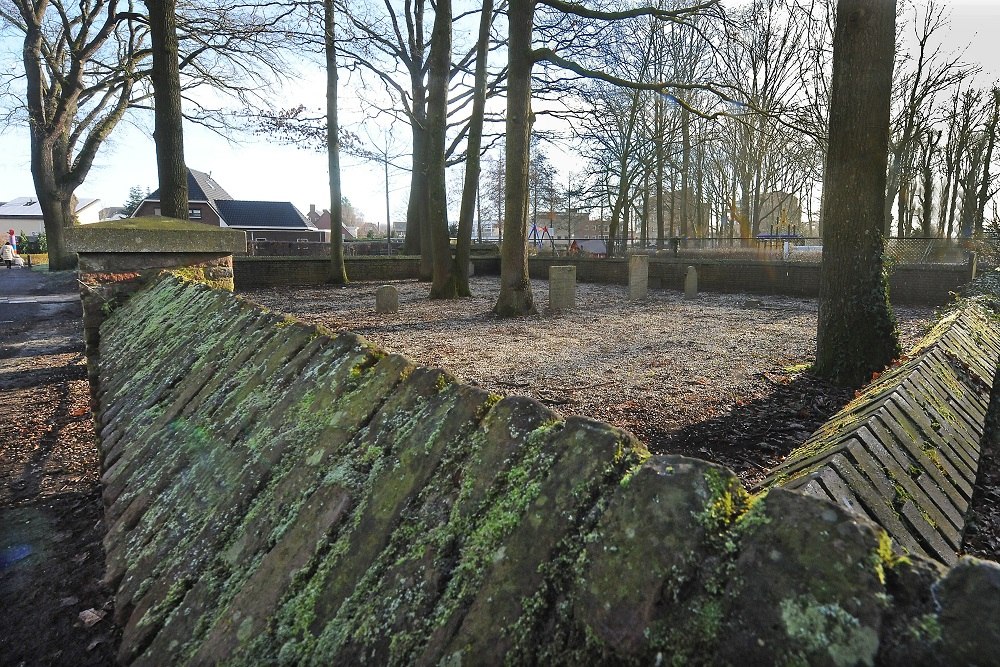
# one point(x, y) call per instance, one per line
point(927, 284)
point(284, 496)
point(905, 453)
point(253, 272)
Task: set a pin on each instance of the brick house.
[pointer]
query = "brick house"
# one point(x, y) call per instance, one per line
point(209, 203)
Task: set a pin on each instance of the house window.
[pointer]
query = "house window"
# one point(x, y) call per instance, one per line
point(156, 211)
point(194, 214)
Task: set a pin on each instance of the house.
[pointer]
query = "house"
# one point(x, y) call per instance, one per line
point(24, 215)
point(210, 204)
point(322, 221)
point(112, 213)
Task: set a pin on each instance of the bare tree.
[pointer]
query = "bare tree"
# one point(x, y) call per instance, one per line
point(932, 72)
point(85, 65)
point(78, 64)
point(515, 296)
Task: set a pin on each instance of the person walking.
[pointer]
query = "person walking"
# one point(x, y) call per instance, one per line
point(7, 254)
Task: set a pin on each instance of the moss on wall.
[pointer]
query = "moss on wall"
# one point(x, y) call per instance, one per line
point(281, 495)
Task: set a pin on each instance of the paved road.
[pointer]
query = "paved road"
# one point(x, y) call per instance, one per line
point(39, 313)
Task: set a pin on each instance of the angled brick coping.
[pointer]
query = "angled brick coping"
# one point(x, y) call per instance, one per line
point(905, 453)
point(280, 494)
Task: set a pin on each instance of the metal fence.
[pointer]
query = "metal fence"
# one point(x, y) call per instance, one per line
point(766, 247)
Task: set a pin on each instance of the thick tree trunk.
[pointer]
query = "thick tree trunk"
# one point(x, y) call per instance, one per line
point(443, 286)
point(515, 298)
point(338, 271)
point(472, 158)
point(857, 332)
point(168, 132)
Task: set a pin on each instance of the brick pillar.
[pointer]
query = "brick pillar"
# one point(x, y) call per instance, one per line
point(638, 277)
point(562, 287)
point(118, 257)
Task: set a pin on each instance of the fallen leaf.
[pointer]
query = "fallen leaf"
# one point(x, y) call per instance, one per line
point(92, 616)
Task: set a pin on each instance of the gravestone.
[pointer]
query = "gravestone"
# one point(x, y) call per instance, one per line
point(386, 299)
point(638, 277)
point(562, 287)
point(691, 283)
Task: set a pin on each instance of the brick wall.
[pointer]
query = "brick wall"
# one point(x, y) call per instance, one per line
point(251, 272)
point(930, 284)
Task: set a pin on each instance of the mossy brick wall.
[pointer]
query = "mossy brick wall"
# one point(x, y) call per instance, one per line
point(280, 494)
point(906, 451)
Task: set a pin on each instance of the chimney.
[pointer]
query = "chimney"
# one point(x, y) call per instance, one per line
point(312, 209)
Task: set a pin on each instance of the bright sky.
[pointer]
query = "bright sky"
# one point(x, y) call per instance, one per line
point(259, 169)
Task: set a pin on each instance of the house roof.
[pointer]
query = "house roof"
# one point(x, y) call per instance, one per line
point(259, 214)
point(238, 213)
point(201, 187)
point(27, 207)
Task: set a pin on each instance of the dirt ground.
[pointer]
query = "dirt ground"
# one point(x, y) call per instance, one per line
point(720, 377)
point(671, 370)
point(51, 555)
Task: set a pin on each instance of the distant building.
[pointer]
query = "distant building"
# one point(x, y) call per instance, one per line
point(112, 213)
point(210, 204)
point(322, 221)
point(24, 215)
point(779, 211)
point(567, 225)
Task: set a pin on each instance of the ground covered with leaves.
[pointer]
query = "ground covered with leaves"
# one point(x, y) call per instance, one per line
point(51, 513)
point(722, 377)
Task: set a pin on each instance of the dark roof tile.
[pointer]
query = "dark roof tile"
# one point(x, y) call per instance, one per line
point(262, 214)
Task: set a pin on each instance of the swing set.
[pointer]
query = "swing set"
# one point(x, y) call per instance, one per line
point(537, 238)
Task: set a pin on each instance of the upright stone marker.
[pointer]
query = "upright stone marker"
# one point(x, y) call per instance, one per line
point(562, 287)
point(691, 283)
point(118, 257)
point(386, 299)
point(638, 277)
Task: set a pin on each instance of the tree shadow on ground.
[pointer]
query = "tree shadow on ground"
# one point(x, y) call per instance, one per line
point(757, 435)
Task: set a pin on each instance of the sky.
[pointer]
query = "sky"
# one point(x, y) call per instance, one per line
point(258, 168)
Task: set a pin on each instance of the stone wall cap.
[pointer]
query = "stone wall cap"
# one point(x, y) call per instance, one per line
point(153, 234)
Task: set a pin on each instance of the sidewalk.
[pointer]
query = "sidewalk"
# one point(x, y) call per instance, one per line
point(51, 512)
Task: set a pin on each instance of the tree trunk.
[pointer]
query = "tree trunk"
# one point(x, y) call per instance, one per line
point(168, 132)
point(685, 168)
point(660, 238)
point(443, 286)
point(338, 271)
point(472, 158)
point(515, 298)
point(984, 184)
point(856, 333)
point(64, 144)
